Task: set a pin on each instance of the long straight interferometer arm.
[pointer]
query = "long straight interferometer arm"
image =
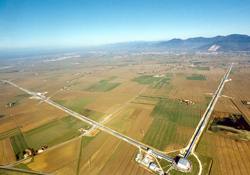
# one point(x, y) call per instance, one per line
point(202, 124)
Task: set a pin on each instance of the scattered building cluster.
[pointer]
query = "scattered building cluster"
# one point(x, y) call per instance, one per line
point(66, 88)
point(10, 104)
point(82, 130)
point(159, 76)
point(188, 102)
point(27, 153)
point(40, 150)
point(148, 161)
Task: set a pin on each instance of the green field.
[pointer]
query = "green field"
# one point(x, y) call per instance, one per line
point(180, 74)
point(206, 144)
point(102, 86)
point(16, 99)
point(11, 172)
point(122, 123)
point(21, 95)
point(145, 79)
point(76, 105)
point(18, 144)
point(97, 116)
point(204, 68)
point(168, 115)
point(161, 83)
point(196, 77)
point(55, 132)
point(169, 75)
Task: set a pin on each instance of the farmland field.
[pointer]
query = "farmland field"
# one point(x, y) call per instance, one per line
point(145, 79)
point(103, 85)
point(174, 123)
point(54, 132)
point(56, 158)
point(19, 144)
point(196, 77)
point(155, 116)
point(7, 155)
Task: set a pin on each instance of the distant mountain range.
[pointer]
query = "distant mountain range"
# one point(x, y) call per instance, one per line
point(234, 42)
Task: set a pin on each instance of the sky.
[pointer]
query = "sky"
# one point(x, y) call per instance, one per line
point(78, 23)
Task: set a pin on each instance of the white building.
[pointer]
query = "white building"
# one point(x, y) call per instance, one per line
point(146, 161)
point(183, 163)
point(152, 166)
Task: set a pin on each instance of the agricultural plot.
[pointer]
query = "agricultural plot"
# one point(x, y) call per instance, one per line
point(121, 121)
point(168, 114)
point(169, 74)
point(74, 105)
point(180, 74)
point(103, 106)
point(103, 85)
point(133, 120)
point(7, 155)
point(146, 79)
point(161, 83)
point(9, 133)
point(29, 116)
point(106, 154)
point(55, 132)
point(196, 77)
point(204, 68)
point(19, 145)
point(56, 158)
point(232, 156)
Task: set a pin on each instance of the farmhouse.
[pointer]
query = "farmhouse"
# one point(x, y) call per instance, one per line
point(11, 104)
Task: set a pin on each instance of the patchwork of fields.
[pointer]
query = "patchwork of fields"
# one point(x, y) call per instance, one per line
point(157, 117)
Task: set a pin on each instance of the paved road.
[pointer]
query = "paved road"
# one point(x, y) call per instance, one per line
point(25, 171)
point(112, 132)
point(204, 120)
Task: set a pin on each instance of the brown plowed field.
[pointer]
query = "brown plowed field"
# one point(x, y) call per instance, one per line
point(103, 106)
point(108, 155)
point(68, 169)
point(98, 152)
point(123, 163)
point(233, 156)
point(193, 90)
point(108, 97)
point(239, 87)
point(57, 158)
point(113, 108)
point(32, 116)
point(142, 120)
point(7, 155)
point(7, 123)
point(225, 104)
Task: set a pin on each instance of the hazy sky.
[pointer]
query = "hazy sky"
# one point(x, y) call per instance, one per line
point(70, 23)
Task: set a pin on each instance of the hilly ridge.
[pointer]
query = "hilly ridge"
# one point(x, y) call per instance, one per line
point(234, 42)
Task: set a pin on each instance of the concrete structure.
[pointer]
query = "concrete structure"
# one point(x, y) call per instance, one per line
point(146, 161)
point(183, 163)
point(139, 157)
point(152, 166)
